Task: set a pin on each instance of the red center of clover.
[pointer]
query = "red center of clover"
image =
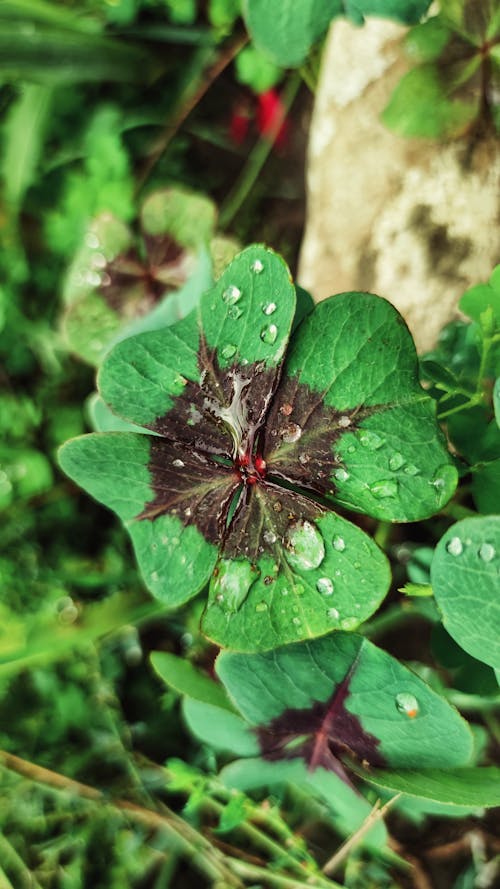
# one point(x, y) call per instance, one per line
point(250, 470)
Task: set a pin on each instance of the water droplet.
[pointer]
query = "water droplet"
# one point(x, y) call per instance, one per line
point(455, 546)
point(269, 537)
point(396, 461)
point(228, 351)
point(257, 267)
point(333, 613)
point(324, 586)
point(341, 475)
point(306, 549)
point(233, 581)
point(387, 487)
point(261, 606)
point(292, 433)
point(487, 552)
point(231, 295)
point(371, 440)
point(92, 240)
point(93, 278)
point(339, 544)
point(269, 308)
point(234, 312)
point(411, 469)
point(154, 576)
point(178, 464)
point(297, 621)
point(269, 334)
point(344, 422)
point(349, 623)
point(98, 260)
point(284, 591)
point(219, 598)
point(407, 703)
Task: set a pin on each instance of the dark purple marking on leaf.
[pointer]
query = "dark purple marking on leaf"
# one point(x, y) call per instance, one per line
point(321, 734)
point(301, 433)
point(190, 486)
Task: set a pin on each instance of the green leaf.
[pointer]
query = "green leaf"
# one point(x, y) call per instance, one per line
point(464, 576)
point(182, 675)
point(340, 694)
point(481, 298)
point(406, 11)
point(296, 26)
point(24, 134)
point(427, 41)
point(420, 106)
point(496, 400)
point(253, 69)
point(457, 787)
point(219, 728)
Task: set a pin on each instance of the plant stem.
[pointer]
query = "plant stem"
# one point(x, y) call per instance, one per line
point(11, 859)
point(268, 878)
point(375, 815)
point(256, 161)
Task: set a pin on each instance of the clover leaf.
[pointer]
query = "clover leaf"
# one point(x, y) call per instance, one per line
point(251, 452)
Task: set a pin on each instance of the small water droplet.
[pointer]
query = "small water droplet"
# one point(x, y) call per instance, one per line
point(234, 312)
point(292, 433)
point(396, 461)
point(269, 334)
point(284, 591)
point(269, 537)
point(386, 487)
point(261, 606)
point(324, 586)
point(455, 546)
point(487, 552)
point(233, 581)
point(228, 351)
point(344, 422)
point(349, 623)
point(341, 475)
point(407, 703)
point(411, 469)
point(356, 565)
point(339, 544)
point(371, 440)
point(269, 308)
point(306, 549)
point(257, 266)
point(297, 621)
point(98, 260)
point(177, 463)
point(92, 240)
point(93, 279)
point(219, 598)
point(231, 295)
point(333, 613)
point(154, 576)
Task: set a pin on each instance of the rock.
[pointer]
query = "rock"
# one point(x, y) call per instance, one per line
point(413, 220)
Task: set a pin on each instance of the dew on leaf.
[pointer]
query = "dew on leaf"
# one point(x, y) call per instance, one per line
point(269, 308)
point(396, 461)
point(105, 280)
point(344, 422)
point(261, 606)
point(339, 543)
point(341, 475)
point(234, 312)
point(92, 240)
point(487, 552)
point(292, 433)
point(333, 613)
point(349, 623)
point(411, 469)
point(93, 278)
point(284, 591)
point(233, 581)
point(386, 487)
point(455, 546)
point(269, 334)
point(228, 351)
point(269, 537)
point(371, 440)
point(305, 547)
point(177, 463)
point(98, 260)
point(257, 267)
point(231, 295)
point(219, 598)
point(325, 586)
point(407, 703)
point(297, 621)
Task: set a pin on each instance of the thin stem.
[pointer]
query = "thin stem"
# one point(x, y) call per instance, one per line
point(268, 878)
point(256, 161)
point(11, 859)
point(375, 815)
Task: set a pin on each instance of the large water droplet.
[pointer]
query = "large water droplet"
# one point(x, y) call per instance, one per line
point(269, 334)
point(269, 308)
point(234, 312)
point(257, 266)
point(455, 546)
point(306, 549)
point(228, 351)
point(386, 487)
point(411, 469)
point(371, 440)
point(231, 295)
point(324, 586)
point(407, 703)
point(177, 463)
point(233, 581)
point(344, 422)
point(487, 552)
point(396, 461)
point(333, 614)
point(292, 433)
point(341, 475)
point(339, 543)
